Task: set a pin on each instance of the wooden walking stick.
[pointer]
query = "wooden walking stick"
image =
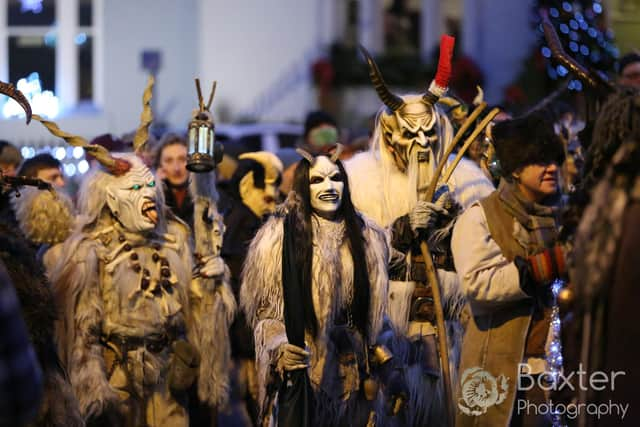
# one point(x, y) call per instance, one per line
point(432, 276)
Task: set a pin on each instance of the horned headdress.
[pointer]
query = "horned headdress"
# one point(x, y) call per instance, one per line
point(113, 165)
point(436, 89)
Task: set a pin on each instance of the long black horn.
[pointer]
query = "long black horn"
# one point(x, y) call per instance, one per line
point(394, 102)
point(10, 90)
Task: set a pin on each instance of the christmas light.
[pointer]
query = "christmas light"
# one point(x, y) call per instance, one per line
point(554, 351)
point(34, 6)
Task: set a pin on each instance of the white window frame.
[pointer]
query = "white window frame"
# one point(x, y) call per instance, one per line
point(66, 57)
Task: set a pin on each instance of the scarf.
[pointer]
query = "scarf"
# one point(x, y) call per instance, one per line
point(539, 221)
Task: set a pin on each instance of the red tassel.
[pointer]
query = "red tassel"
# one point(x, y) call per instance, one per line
point(444, 63)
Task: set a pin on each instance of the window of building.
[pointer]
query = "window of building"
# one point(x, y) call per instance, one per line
point(50, 38)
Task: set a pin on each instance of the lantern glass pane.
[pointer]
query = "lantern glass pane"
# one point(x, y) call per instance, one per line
point(193, 140)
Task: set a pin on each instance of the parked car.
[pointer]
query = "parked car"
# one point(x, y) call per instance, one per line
point(273, 137)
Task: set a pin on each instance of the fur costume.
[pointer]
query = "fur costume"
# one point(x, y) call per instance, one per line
point(59, 406)
point(410, 138)
point(118, 286)
point(332, 286)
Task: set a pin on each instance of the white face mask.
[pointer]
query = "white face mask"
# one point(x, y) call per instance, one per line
point(132, 199)
point(326, 187)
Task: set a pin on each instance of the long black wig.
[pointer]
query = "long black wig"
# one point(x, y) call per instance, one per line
point(302, 247)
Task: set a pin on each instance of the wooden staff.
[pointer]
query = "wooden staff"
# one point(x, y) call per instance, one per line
point(432, 276)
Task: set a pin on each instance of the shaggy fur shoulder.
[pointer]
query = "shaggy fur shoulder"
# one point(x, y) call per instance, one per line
point(75, 279)
point(44, 216)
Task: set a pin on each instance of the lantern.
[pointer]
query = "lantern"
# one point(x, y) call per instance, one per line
point(203, 152)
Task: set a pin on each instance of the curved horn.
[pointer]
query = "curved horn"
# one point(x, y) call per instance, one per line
point(394, 102)
point(112, 164)
point(142, 134)
point(593, 79)
point(440, 84)
point(306, 155)
point(336, 153)
point(10, 90)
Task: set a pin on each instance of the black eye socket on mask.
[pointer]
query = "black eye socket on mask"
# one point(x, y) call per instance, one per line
point(408, 134)
point(431, 132)
point(337, 177)
point(315, 180)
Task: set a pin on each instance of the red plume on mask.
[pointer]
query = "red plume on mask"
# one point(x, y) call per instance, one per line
point(440, 84)
point(444, 63)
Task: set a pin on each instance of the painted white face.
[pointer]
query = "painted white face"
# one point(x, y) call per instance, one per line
point(132, 199)
point(326, 186)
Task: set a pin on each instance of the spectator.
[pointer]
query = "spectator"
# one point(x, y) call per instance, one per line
point(171, 167)
point(629, 70)
point(320, 132)
point(20, 375)
point(10, 158)
point(45, 167)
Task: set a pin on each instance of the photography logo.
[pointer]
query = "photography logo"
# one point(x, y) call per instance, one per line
point(481, 390)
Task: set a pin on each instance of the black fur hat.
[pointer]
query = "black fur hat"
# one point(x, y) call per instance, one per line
point(526, 140)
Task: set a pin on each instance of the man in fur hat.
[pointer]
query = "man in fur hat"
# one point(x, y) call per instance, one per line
point(505, 254)
point(143, 317)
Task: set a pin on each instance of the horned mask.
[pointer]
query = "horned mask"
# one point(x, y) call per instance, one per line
point(410, 124)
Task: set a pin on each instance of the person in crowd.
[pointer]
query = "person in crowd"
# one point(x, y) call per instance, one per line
point(505, 253)
point(10, 158)
point(320, 132)
point(143, 317)
point(171, 166)
point(45, 167)
point(251, 196)
point(21, 380)
point(390, 183)
point(604, 264)
point(629, 70)
point(314, 290)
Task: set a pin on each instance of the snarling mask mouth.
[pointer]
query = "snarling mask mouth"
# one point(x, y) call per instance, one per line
point(326, 186)
point(410, 123)
point(132, 199)
point(329, 196)
point(410, 131)
point(149, 210)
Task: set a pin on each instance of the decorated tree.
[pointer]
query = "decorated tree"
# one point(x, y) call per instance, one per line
point(581, 28)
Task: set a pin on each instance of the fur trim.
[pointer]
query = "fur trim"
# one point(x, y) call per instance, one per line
point(261, 291)
point(75, 283)
point(213, 312)
point(44, 216)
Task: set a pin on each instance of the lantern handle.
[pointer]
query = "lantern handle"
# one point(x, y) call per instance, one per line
point(213, 92)
point(200, 100)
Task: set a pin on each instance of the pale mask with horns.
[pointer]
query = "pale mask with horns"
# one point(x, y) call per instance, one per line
point(326, 183)
point(132, 195)
point(132, 199)
point(410, 124)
